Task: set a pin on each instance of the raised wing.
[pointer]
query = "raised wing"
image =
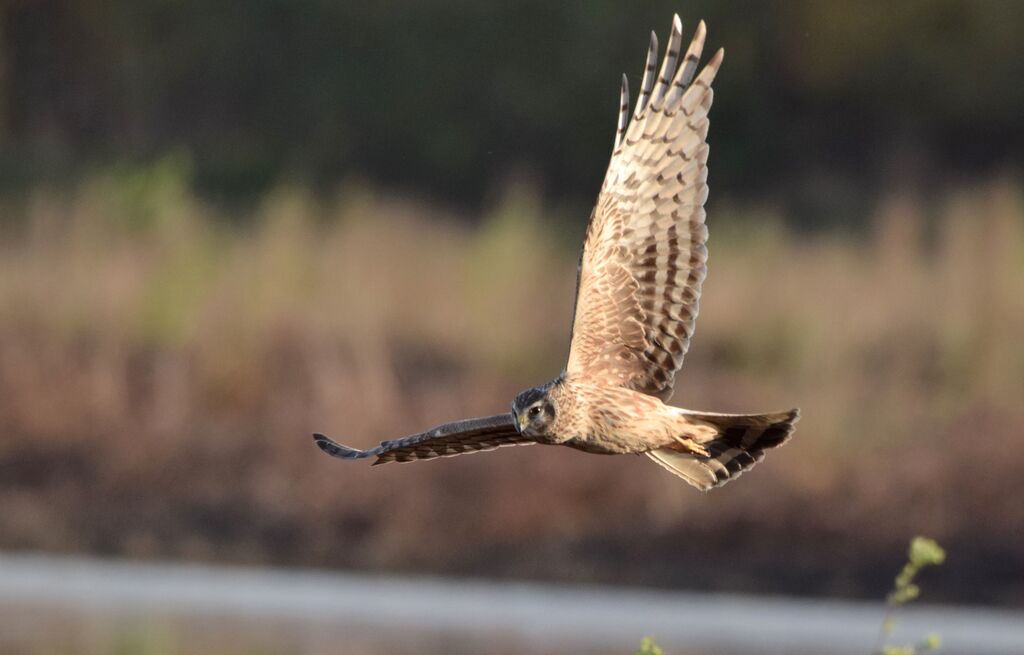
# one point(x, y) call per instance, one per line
point(644, 258)
point(468, 436)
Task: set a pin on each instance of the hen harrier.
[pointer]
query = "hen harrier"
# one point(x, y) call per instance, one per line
point(637, 292)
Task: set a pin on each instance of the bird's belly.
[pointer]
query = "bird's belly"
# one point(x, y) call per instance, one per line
point(611, 420)
point(609, 444)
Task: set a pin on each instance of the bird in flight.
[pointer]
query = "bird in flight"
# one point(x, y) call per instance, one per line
point(637, 291)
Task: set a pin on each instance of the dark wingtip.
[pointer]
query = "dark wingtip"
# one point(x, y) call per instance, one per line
point(335, 449)
point(327, 445)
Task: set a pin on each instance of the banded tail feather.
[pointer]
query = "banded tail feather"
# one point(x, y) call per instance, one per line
point(737, 443)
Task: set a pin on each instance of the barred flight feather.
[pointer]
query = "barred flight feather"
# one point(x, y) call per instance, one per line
point(623, 111)
point(448, 440)
point(648, 80)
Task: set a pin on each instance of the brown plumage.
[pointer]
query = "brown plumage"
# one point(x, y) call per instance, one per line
point(639, 281)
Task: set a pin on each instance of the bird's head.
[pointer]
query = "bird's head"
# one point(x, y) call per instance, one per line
point(535, 411)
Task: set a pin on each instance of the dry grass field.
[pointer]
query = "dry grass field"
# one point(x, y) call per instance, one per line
point(162, 366)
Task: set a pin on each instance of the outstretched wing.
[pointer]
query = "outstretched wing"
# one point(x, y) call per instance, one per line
point(468, 436)
point(644, 258)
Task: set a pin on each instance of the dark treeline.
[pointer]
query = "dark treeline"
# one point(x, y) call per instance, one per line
point(820, 105)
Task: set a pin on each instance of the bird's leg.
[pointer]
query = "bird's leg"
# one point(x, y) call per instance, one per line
point(692, 446)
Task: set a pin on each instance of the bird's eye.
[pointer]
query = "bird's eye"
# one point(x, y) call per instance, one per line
point(534, 411)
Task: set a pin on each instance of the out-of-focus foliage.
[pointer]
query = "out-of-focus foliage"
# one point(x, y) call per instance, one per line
point(819, 106)
point(649, 647)
point(923, 552)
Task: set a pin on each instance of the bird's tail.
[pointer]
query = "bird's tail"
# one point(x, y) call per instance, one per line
point(733, 444)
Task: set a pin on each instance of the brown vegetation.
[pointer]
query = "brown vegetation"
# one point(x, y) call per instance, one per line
point(161, 369)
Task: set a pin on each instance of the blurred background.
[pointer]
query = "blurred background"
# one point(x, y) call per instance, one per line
point(226, 225)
